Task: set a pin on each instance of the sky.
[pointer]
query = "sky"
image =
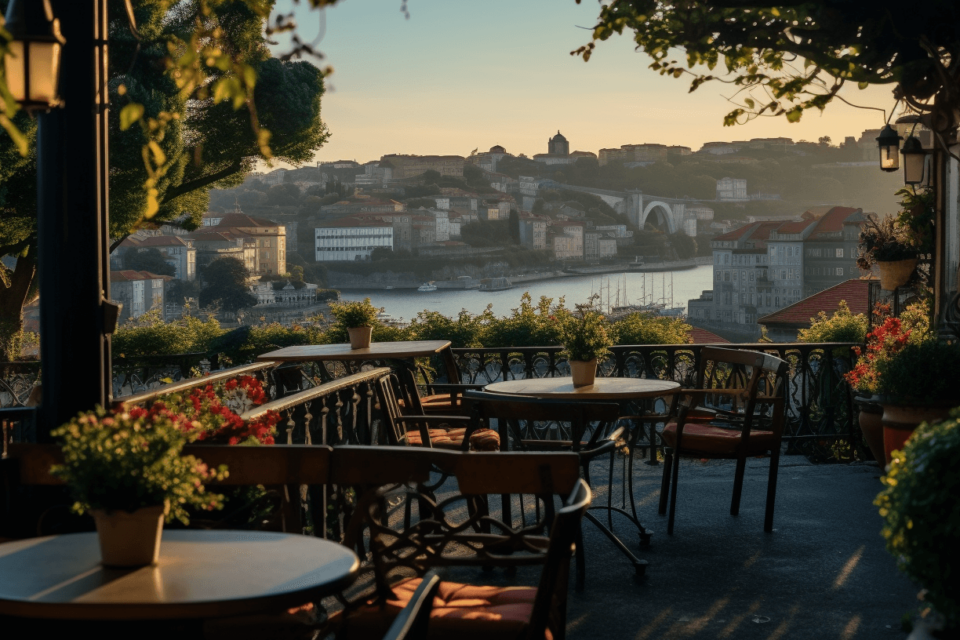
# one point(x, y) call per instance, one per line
point(459, 75)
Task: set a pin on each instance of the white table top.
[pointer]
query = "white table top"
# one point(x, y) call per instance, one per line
point(601, 389)
point(201, 574)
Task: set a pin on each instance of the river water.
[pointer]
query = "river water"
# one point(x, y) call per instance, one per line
point(405, 303)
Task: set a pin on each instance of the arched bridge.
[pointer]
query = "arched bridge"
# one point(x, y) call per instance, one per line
point(668, 214)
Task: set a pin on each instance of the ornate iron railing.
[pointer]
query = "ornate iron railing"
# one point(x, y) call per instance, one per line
point(820, 412)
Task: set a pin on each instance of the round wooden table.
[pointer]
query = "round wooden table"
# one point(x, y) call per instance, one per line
point(601, 389)
point(201, 574)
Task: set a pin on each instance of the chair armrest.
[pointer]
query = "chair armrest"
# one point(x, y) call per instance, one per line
point(411, 622)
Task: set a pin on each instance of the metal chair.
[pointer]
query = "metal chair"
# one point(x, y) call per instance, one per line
point(518, 418)
point(743, 392)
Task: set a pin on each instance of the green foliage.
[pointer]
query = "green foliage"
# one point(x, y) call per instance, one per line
point(225, 284)
point(528, 324)
point(488, 233)
point(148, 260)
point(584, 334)
point(117, 462)
point(884, 240)
point(352, 314)
point(466, 330)
point(917, 212)
point(753, 46)
point(841, 326)
point(924, 372)
point(920, 506)
point(149, 335)
point(644, 328)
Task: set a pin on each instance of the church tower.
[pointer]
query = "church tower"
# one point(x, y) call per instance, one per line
point(558, 145)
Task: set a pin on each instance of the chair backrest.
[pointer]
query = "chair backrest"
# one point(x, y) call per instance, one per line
point(284, 467)
point(755, 372)
point(484, 407)
point(390, 391)
point(457, 528)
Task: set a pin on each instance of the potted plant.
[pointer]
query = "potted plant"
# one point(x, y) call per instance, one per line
point(128, 472)
point(910, 373)
point(845, 326)
point(585, 339)
point(919, 507)
point(889, 246)
point(358, 318)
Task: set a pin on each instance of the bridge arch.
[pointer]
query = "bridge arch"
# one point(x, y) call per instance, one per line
point(663, 212)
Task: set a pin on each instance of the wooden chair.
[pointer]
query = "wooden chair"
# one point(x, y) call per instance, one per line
point(408, 423)
point(512, 411)
point(448, 535)
point(447, 397)
point(737, 411)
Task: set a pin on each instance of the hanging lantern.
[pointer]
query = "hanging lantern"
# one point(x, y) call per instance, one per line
point(32, 64)
point(889, 142)
point(914, 161)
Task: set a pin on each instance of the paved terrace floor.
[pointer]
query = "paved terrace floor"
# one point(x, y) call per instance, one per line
point(822, 574)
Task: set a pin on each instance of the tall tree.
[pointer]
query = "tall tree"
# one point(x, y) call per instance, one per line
point(196, 140)
point(149, 260)
point(225, 284)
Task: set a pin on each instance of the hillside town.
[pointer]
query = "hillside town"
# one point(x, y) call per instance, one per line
point(494, 220)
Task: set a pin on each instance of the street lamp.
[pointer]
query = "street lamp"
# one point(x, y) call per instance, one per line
point(32, 66)
point(914, 161)
point(889, 142)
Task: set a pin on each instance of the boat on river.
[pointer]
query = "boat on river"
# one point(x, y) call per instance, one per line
point(495, 284)
point(427, 287)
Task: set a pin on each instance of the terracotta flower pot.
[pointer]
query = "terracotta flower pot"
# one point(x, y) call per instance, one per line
point(584, 372)
point(871, 424)
point(360, 337)
point(129, 539)
point(897, 273)
point(900, 421)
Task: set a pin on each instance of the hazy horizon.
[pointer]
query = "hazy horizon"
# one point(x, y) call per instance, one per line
point(461, 76)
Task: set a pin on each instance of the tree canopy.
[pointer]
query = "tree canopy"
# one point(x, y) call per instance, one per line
point(791, 56)
point(202, 125)
point(225, 284)
point(149, 260)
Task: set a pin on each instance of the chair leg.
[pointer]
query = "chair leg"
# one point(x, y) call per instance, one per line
point(665, 484)
point(673, 495)
point(610, 490)
point(771, 491)
point(738, 485)
point(580, 559)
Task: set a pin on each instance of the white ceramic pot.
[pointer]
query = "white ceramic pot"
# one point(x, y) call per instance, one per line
point(129, 539)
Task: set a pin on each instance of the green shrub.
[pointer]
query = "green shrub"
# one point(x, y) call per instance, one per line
point(528, 325)
point(645, 328)
point(923, 372)
point(149, 335)
point(841, 326)
point(920, 507)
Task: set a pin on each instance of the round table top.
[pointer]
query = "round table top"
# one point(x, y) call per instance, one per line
point(601, 389)
point(200, 574)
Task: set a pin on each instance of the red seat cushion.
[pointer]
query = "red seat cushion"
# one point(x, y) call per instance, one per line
point(460, 611)
point(480, 440)
point(706, 438)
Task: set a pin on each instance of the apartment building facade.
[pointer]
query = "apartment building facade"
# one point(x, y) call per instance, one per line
point(351, 239)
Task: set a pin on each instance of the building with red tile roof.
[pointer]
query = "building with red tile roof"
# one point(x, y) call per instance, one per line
point(783, 325)
point(702, 336)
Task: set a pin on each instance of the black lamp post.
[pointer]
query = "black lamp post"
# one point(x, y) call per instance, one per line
point(914, 162)
point(32, 67)
point(72, 221)
point(889, 143)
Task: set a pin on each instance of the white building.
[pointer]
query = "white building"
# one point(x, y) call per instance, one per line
point(442, 220)
point(732, 189)
point(351, 239)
